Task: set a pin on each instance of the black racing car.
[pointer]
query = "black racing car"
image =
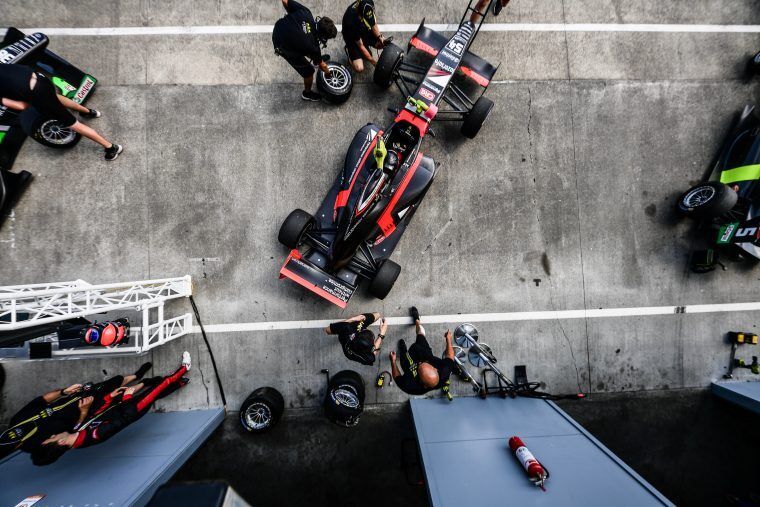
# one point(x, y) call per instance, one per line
point(31, 50)
point(373, 199)
point(728, 201)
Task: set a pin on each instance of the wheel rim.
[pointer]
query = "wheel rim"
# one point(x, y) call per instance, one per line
point(475, 359)
point(346, 398)
point(258, 416)
point(55, 133)
point(337, 78)
point(699, 196)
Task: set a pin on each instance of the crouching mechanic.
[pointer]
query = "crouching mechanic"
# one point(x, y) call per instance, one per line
point(125, 406)
point(297, 38)
point(22, 89)
point(359, 343)
point(361, 32)
point(423, 371)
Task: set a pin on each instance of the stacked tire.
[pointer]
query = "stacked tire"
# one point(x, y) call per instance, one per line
point(344, 400)
point(262, 410)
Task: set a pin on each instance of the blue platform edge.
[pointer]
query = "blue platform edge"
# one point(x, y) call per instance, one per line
point(124, 471)
point(746, 394)
point(463, 446)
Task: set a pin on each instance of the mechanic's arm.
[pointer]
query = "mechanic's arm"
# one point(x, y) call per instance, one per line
point(449, 352)
point(323, 67)
point(54, 395)
point(380, 337)
point(84, 409)
point(285, 4)
point(16, 105)
point(394, 367)
point(365, 52)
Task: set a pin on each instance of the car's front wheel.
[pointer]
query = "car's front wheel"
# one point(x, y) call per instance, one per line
point(54, 135)
point(707, 200)
point(336, 84)
point(384, 280)
point(387, 65)
point(477, 116)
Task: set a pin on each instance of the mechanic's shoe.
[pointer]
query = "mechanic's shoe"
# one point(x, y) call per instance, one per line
point(91, 113)
point(497, 7)
point(113, 152)
point(414, 313)
point(186, 360)
point(140, 373)
point(311, 96)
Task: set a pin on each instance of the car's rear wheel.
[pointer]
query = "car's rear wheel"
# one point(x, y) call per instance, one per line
point(386, 69)
point(54, 135)
point(294, 227)
point(384, 280)
point(477, 116)
point(336, 84)
point(707, 200)
point(261, 410)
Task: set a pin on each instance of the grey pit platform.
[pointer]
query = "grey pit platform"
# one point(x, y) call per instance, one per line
point(466, 459)
point(742, 393)
point(124, 471)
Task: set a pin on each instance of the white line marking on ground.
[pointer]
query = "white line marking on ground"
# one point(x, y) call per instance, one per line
point(495, 317)
point(488, 27)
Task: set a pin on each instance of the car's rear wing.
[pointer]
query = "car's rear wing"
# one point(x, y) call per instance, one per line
point(474, 67)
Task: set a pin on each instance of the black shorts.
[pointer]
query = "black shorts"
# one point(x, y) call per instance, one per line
point(302, 65)
point(352, 47)
point(45, 100)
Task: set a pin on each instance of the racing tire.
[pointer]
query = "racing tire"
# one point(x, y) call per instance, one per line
point(344, 400)
point(707, 200)
point(53, 135)
point(383, 282)
point(294, 227)
point(335, 87)
point(386, 69)
point(262, 410)
point(477, 116)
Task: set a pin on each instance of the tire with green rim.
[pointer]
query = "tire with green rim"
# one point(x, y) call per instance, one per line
point(707, 200)
point(261, 411)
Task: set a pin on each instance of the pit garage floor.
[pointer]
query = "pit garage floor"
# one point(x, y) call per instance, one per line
point(563, 202)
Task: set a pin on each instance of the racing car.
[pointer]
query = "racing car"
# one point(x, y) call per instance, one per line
point(728, 201)
point(31, 50)
point(373, 199)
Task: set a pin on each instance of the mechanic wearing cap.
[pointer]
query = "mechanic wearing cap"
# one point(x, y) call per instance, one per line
point(63, 410)
point(423, 371)
point(360, 32)
point(359, 343)
point(24, 90)
point(498, 5)
point(297, 38)
point(133, 403)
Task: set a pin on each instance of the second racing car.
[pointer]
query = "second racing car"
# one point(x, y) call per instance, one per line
point(383, 181)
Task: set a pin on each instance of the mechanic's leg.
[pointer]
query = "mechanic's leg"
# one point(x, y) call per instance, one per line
point(16, 105)
point(151, 396)
point(480, 11)
point(90, 133)
point(308, 82)
point(70, 104)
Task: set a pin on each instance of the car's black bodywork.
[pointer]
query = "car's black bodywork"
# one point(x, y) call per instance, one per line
point(737, 173)
point(360, 222)
point(31, 50)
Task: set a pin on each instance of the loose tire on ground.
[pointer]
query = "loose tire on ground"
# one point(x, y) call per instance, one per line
point(387, 65)
point(707, 200)
point(384, 279)
point(337, 85)
point(294, 227)
point(262, 410)
point(53, 135)
point(344, 400)
point(477, 116)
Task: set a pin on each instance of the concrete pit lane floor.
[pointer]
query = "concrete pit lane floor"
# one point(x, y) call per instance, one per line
point(563, 202)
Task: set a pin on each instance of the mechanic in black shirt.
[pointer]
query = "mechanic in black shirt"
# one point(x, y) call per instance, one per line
point(423, 371)
point(297, 38)
point(61, 410)
point(358, 342)
point(360, 32)
point(22, 89)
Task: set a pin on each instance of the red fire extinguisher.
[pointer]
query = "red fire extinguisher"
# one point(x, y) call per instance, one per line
point(537, 473)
